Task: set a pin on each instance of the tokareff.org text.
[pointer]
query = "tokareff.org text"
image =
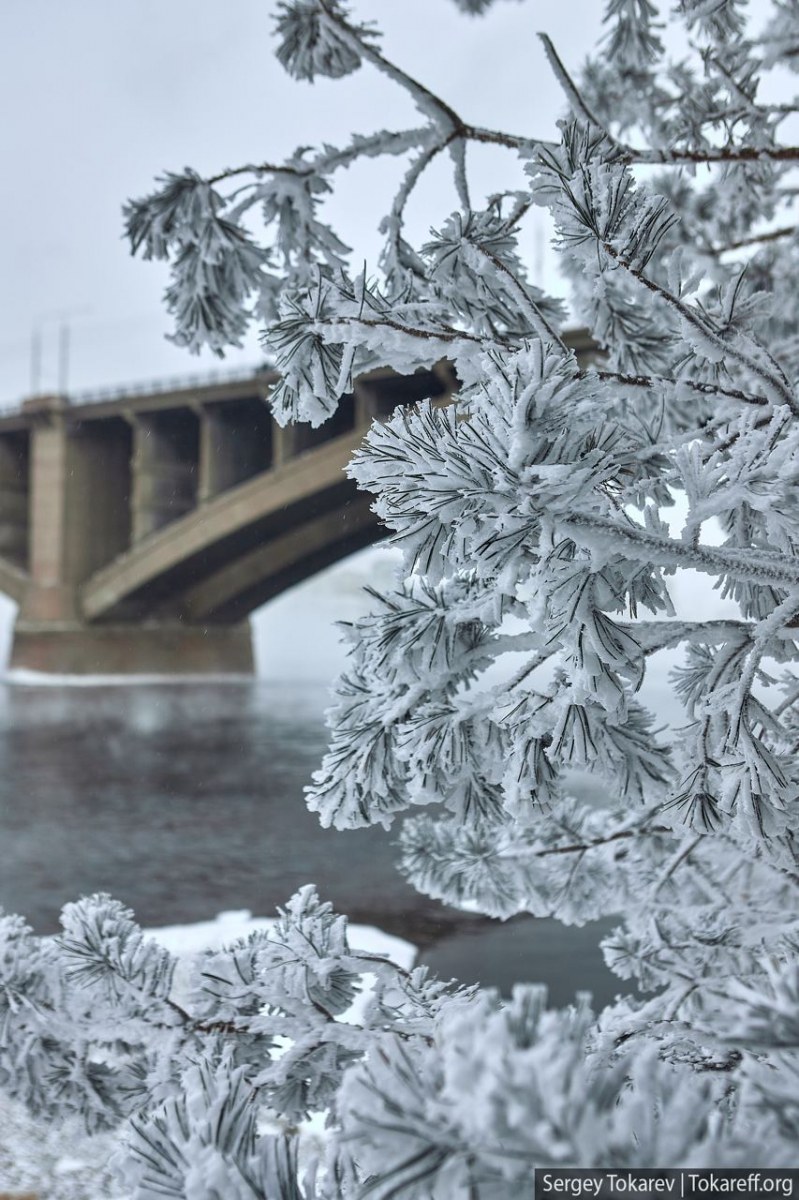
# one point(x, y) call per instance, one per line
point(705, 1184)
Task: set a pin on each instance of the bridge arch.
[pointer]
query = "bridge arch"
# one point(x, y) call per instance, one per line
point(222, 560)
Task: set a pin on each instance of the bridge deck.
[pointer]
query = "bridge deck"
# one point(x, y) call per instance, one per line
point(179, 510)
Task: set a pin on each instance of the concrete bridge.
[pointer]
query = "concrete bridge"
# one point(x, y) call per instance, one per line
point(139, 530)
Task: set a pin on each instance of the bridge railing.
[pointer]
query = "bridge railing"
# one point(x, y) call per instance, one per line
point(151, 387)
point(173, 383)
point(577, 339)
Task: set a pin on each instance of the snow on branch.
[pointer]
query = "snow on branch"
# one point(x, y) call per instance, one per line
point(499, 698)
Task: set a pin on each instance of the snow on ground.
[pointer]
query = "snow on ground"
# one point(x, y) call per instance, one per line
point(61, 1162)
point(186, 940)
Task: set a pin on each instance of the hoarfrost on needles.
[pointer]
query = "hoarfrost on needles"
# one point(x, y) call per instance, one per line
point(532, 517)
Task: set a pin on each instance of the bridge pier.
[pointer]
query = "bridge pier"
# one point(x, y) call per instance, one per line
point(93, 489)
point(78, 481)
point(150, 648)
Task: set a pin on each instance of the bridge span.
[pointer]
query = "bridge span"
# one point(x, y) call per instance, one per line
point(139, 530)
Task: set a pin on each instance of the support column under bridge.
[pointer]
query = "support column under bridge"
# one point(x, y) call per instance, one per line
point(94, 488)
point(138, 532)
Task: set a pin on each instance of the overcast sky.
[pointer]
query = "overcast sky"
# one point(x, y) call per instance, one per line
point(99, 96)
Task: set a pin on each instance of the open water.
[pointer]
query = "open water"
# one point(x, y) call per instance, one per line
point(185, 799)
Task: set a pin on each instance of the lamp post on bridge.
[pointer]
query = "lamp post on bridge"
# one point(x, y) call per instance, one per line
point(63, 316)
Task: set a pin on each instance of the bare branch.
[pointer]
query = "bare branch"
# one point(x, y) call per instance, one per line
point(773, 235)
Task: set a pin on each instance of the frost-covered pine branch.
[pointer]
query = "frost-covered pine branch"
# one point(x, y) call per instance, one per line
point(533, 517)
point(431, 1089)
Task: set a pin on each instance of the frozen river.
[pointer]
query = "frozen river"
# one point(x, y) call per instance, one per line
point(185, 799)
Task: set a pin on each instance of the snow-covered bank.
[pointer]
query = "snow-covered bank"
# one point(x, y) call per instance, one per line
point(227, 927)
